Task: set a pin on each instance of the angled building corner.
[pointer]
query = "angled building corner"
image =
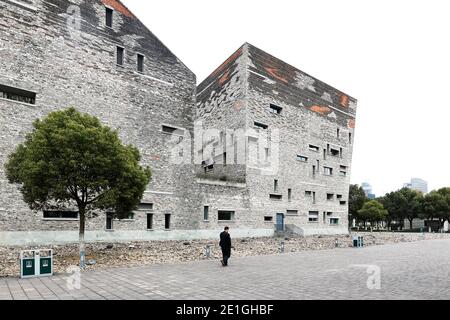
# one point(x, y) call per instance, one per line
point(298, 139)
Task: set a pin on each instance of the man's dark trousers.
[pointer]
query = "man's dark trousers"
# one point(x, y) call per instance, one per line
point(226, 253)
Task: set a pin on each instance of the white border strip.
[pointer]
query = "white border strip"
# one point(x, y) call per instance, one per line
point(155, 79)
point(22, 4)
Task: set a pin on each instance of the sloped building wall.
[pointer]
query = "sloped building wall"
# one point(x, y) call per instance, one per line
point(64, 52)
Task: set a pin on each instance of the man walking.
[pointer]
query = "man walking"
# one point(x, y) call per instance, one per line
point(225, 244)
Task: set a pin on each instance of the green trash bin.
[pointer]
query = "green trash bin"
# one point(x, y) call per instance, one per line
point(358, 241)
point(36, 263)
point(27, 264)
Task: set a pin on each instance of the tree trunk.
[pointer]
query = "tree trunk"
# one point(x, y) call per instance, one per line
point(410, 223)
point(82, 211)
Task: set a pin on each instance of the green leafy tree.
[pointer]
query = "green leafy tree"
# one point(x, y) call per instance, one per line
point(373, 211)
point(356, 200)
point(402, 204)
point(71, 159)
point(436, 205)
point(409, 204)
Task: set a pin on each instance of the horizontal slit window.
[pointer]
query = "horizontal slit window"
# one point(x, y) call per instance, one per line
point(146, 206)
point(275, 196)
point(171, 130)
point(225, 215)
point(275, 109)
point(60, 214)
point(259, 125)
point(334, 221)
point(16, 94)
point(334, 152)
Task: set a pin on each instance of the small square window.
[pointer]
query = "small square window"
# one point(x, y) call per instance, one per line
point(330, 196)
point(327, 171)
point(313, 216)
point(334, 152)
point(275, 109)
point(268, 219)
point(334, 221)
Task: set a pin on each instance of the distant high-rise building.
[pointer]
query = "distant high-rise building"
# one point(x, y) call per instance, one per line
point(417, 184)
point(368, 190)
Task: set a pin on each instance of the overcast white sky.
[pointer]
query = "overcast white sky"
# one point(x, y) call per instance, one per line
point(393, 56)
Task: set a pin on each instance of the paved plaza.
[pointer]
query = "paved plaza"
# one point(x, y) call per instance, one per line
point(415, 270)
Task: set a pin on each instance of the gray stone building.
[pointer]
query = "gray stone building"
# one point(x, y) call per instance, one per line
point(258, 145)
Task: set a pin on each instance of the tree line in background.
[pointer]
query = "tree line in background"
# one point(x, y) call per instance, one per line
point(394, 208)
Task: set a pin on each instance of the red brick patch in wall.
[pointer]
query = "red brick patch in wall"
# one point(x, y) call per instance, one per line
point(344, 101)
point(119, 7)
point(224, 78)
point(275, 73)
point(321, 110)
point(222, 66)
point(351, 123)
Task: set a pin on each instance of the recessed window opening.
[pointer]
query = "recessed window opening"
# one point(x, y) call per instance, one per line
point(140, 63)
point(109, 17)
point(259, 125)
point(225, 215)
point(16, 94)
point(275, 109)
point(119, 56)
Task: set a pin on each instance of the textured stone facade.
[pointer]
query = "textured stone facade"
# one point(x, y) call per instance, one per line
point(282, 112)
point(64, 53)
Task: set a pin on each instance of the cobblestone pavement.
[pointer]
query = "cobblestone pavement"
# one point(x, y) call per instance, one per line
point(416, 270)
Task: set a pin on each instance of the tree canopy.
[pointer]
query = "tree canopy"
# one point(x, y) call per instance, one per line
point(357, 198)
point(71, 159)
point(372, 211)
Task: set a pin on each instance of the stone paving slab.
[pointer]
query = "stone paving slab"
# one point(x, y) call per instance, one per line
point(415, 270)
